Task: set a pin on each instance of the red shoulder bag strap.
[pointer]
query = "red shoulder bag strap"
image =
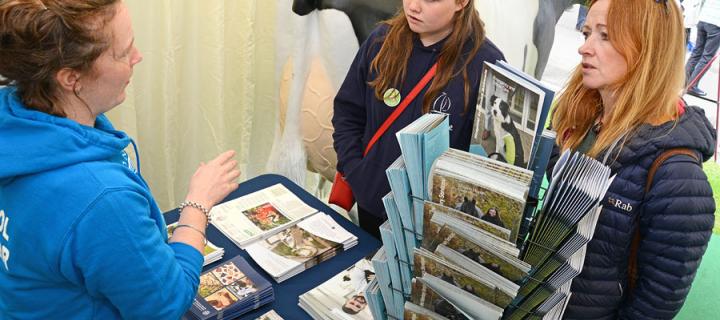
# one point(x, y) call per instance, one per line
point(635, 244)
point(405, 102)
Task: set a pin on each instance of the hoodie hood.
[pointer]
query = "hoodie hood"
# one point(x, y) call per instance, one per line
point(32, 141)
point(692, 130)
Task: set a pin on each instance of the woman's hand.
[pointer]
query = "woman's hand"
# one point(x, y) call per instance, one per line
point(214, 180)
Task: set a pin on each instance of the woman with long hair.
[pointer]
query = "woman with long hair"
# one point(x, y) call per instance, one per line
point(622, 105)
point(388, 65)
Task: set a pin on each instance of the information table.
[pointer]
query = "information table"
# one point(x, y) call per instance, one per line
point(287, 292)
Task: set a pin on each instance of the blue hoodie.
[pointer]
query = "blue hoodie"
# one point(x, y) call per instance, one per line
point(80, 234)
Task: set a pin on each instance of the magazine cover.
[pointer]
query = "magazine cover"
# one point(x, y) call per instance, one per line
point(487, 204)
point(507, 116)
point(232, 288)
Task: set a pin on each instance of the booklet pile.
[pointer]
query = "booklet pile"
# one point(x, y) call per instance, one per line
point(230, 290)
point(343, 297)
point(211, 253)
point(280, 232)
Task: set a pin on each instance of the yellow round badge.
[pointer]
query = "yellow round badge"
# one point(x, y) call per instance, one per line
point(391, 97)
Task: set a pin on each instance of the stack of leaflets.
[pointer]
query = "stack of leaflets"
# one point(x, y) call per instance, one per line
point(230, 290)
point(270, 315)
point(488, 189)
point(343, 296)
point(211, 253)
point(299, 247)
point(559, 238)
point(421, 142)
point(284, 235)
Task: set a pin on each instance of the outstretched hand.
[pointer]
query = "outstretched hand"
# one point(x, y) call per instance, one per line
point(214, 180)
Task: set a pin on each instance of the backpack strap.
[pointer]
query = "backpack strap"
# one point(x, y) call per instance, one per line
point(635, 244)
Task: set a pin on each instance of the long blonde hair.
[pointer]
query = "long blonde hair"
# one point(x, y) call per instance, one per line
point(649, 35)
point(390, 64)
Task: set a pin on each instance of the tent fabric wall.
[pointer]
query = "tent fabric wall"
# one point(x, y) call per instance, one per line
point(207, 84)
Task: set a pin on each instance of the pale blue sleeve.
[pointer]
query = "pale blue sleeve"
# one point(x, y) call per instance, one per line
point(117, 252)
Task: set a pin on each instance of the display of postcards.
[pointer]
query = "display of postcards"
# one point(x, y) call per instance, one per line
point(470, 306)
point(496, 260)
point(211, 252)
point(428, 262)
point(415, 312)
point(229, 290)
point(270, 315)
point(507, 117)
point(506, 290)
point(486, 194)
point(299, 247)
point(437, 216)
point(342, 296)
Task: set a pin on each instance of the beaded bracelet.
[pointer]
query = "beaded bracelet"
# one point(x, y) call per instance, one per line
point(193, 228)
point(195, 205)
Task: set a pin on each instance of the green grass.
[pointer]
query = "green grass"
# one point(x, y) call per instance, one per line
point(712, 170)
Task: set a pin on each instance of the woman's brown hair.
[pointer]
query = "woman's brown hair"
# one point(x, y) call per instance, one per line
point(38, 38)
point(390, 64)
point(649, 34)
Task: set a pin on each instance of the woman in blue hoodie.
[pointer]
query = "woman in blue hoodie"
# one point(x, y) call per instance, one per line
point(81, 236)
point(390, 63)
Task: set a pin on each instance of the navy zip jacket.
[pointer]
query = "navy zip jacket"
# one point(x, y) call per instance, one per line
point(675, 219)
point(358, 114)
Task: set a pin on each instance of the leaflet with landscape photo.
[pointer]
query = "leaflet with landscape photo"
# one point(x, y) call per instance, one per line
point(508, 116)
point(427, 298)
point(492, 192)
point(471, 306)
point(259, 214)
point(428, 262)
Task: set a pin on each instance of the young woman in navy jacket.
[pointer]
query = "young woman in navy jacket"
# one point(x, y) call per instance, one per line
point(393, 59)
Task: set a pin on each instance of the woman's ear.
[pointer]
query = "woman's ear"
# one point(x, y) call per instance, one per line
point(461, 4)
point(67, 80)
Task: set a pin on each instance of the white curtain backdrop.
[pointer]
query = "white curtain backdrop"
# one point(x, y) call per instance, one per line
point(207, 84)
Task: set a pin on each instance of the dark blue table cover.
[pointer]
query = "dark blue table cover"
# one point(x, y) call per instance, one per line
point(287, 292)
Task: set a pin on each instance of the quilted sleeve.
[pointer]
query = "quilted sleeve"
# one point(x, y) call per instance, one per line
point(675, 227)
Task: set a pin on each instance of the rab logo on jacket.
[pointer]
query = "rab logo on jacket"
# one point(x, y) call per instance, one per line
point(617, 203)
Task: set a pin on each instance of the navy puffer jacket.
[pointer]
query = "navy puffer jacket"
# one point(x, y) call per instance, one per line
point(675, 219)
